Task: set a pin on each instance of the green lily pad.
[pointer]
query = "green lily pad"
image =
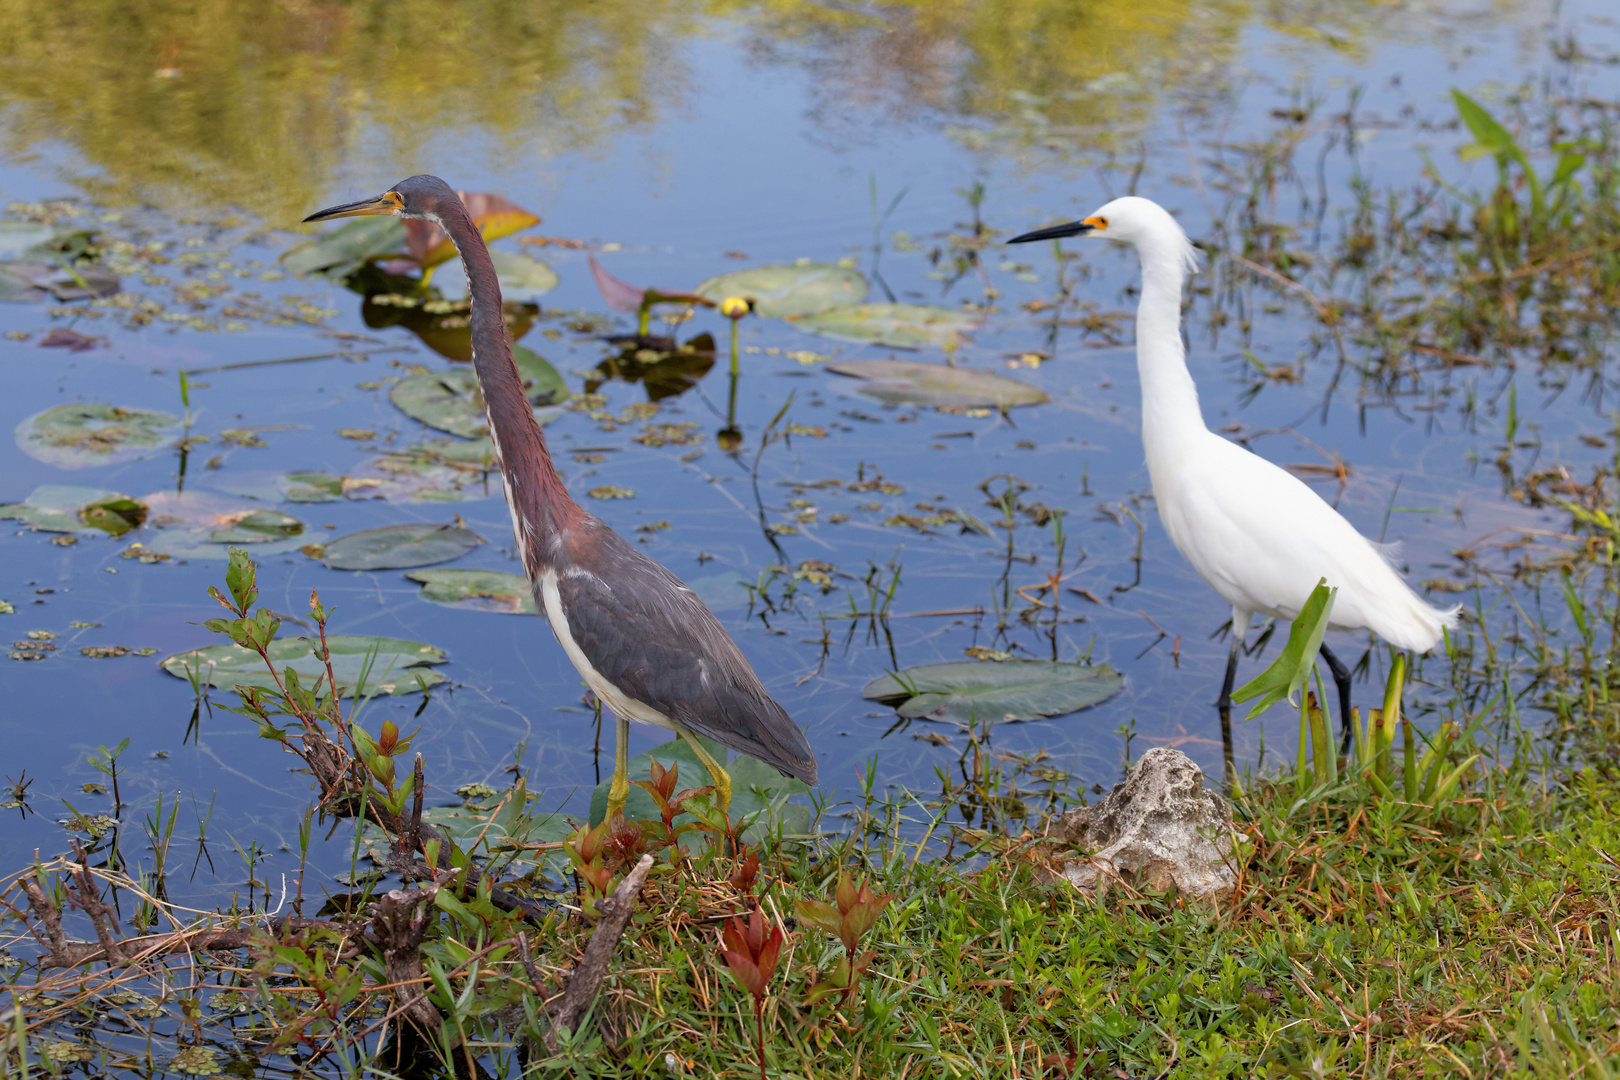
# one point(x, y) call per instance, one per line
point(521, 277)
point(17, 237)
point(258, 527)
point(757, 791)
point(199, 525)
point(1009, 691)
point(790, 289)
point(57, 508)
point(90, 433)
point(117, 514)
point(899, 326)
point(395, 666)
point(451, 401)
point(342, 251)
point(309, 487)
point(397, 547)
point(498, 827)
point(914, 382)
point(477, 590)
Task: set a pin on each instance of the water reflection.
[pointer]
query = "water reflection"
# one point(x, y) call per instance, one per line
point(263, 105)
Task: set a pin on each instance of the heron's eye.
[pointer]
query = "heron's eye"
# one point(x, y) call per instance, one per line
point(1102, 223)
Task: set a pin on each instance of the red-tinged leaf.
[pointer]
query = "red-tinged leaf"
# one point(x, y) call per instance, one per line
point(620, 295)
point(388, 737)
point(742, 878)
point(847, 895)
point(818, 913)
point(772, 948)
point(732, 937)
point(745, 972)
point(494, 215)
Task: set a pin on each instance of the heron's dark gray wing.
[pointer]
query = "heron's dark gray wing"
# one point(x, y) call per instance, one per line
point(650, 635)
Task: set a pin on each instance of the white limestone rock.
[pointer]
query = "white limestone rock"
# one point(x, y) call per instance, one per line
point(1159, 828)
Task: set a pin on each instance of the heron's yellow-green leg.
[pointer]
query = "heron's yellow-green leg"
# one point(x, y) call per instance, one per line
point(722, 781)
point(619, 788)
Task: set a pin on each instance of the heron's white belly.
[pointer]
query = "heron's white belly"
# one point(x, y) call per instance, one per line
point(623, 706)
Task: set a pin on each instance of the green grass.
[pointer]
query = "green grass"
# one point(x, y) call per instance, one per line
point(1367, 939)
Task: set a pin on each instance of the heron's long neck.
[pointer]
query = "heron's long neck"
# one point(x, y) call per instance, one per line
point(535, 494)
point(1171, 420)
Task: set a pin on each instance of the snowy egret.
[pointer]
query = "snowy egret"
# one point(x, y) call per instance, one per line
point(1257, 534)
point(643, 640)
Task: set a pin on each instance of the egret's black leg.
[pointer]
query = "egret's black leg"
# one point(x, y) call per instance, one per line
point(1341, 678)
point(1224, 705)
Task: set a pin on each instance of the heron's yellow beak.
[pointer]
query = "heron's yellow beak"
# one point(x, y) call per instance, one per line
point(388, 202)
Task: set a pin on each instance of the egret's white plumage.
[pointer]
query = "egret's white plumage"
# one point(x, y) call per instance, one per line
point(1256, 533)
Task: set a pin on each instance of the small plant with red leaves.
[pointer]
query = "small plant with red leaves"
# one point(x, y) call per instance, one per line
point(587, 850)
point(855, 910)
point(750, 945)
point(746, 872)
point(671, 803)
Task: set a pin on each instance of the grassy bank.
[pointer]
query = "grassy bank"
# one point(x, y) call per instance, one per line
point(1368, 938)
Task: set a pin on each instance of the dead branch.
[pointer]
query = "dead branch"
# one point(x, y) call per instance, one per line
point(399, 923)
point(85, 893)
point(580, 991)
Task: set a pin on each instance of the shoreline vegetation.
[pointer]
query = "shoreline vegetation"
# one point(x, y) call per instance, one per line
point(1462, 922)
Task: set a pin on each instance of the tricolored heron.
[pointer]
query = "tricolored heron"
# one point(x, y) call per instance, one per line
point(1257, 533)
point(650, 649)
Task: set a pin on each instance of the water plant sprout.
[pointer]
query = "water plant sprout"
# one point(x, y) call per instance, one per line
point(1257, 534)
point(643, 641)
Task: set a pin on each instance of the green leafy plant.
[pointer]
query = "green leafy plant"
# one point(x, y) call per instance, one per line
point(1288, 675)
point(854, 910)
point(1500, 215)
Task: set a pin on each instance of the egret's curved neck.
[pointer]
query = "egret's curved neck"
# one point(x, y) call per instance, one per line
point(535, 494)
point(1171, 418)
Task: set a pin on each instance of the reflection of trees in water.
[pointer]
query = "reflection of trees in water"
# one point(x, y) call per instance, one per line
point(259, 102)
point(1038, 70)
point(1064, 74)
point(262, 102)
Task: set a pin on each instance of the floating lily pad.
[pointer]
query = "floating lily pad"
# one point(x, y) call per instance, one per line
point(914, 382)
point(521, 277)
point(16, 237)
point(1008, 691)
point(90, 433)
point(397, 547)
point(57, 508)
point(451, 401)
point(199, 525)
point(307, 487)
point(899, 326)
point(395, 667)
point(477, 590)
point(790, 289)
point(339, 253)
point(499, 826)
point(758, 791)
point(258, 527)
point(31, 281)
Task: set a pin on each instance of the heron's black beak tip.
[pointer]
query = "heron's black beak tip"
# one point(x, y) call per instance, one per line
point(1055, 232)
point(386, 203)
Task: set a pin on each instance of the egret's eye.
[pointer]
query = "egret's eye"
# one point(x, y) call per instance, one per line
point(1102, 223)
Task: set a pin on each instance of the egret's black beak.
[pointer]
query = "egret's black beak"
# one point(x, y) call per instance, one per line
point(387, 203)
point(1055, 232)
